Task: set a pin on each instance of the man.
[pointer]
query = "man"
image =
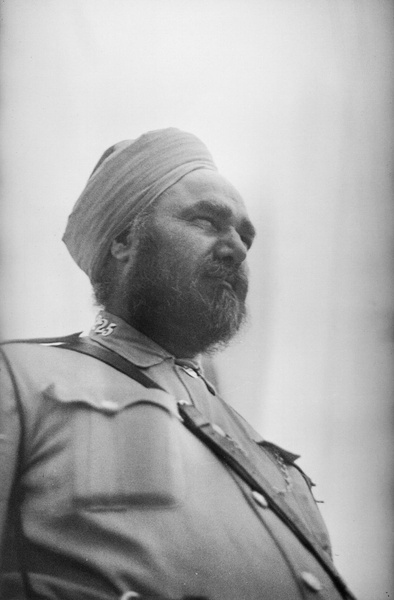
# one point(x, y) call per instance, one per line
point(122, 485)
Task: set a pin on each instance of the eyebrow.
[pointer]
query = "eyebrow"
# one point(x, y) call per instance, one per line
point(221, 211)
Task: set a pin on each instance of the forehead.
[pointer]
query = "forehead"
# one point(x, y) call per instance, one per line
point(202, 185)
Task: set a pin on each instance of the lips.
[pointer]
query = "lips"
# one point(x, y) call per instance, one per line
point(233, 278)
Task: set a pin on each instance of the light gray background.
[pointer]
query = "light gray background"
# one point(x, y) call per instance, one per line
point(294, 99)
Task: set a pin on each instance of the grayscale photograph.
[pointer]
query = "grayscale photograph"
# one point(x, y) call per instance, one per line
point(197, 294)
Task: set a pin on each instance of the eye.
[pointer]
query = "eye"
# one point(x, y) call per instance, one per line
point(205, 222)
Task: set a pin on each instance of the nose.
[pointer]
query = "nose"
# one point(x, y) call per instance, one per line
point(230, 246)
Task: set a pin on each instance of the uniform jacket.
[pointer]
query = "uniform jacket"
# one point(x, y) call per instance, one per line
point(114, 495)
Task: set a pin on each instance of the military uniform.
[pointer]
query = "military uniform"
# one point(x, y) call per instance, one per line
point(117, 496)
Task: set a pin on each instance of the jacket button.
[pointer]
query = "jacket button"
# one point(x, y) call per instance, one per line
point(190, 371)
point(259, 498)
point(311, 581)
point(218, 429)
point(109, 405)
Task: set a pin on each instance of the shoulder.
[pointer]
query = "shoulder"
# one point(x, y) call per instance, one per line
point(42, 341)
point(45, 371)
point(29, 355)
point(35, 366)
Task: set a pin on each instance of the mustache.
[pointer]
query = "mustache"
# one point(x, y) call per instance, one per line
point(234, 274)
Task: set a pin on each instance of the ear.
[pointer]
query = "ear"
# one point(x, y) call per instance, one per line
point(123, 247)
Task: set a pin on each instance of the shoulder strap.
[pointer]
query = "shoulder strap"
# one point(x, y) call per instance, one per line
point(47, 340)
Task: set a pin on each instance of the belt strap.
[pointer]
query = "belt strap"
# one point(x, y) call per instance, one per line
point(221, 445)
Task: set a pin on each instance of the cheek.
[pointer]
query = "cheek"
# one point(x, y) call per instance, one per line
point(185, 248)
point(178, 243)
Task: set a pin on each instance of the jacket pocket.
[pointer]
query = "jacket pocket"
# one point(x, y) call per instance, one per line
point(126, 452)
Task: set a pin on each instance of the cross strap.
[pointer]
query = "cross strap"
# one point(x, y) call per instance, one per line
point(221, 445)
point(237, 460)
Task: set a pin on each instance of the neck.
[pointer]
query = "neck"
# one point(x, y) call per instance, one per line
point(169, 336)
point(172, 338)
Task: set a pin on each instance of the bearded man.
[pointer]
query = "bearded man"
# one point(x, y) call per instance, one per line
point(125, 474)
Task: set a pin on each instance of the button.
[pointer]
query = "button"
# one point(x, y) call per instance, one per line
point(190, 372)
point(311, 581)
point(109, 405)
point(260, 499)
point(128, 595)
point(184, 403)
point(218, 429)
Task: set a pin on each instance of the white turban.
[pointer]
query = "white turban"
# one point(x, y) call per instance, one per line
point(129, 177)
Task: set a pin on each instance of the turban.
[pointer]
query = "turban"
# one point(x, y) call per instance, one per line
point(130, 176)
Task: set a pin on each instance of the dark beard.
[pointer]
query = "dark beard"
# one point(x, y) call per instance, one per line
point(184, 312)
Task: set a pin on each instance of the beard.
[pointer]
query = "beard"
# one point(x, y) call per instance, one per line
point(184, 310)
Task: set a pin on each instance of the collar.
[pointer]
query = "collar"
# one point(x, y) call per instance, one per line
point(114, 333)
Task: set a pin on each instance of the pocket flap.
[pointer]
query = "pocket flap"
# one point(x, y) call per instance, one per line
point(111, 399)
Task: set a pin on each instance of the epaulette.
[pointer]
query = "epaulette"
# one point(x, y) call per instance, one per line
point(66, 339)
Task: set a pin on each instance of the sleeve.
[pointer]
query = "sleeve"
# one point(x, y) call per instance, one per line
point(10, 431)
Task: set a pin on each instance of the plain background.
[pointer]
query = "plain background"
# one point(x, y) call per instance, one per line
point(294, 100)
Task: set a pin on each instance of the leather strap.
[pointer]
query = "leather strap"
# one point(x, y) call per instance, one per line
point(237, 460)
point(77, 344)
point(113, 360)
